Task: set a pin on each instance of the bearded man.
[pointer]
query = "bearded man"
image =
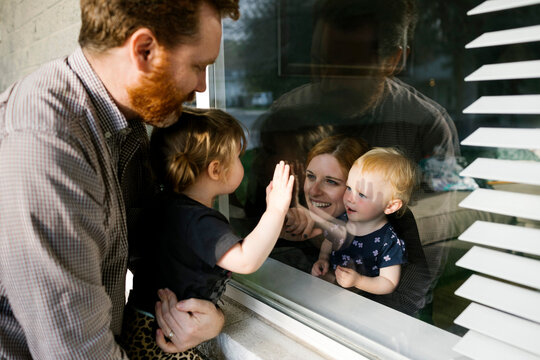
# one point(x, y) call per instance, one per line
point(72, 148)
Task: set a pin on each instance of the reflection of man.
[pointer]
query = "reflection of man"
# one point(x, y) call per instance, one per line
point(357, 48)
point(72, 145)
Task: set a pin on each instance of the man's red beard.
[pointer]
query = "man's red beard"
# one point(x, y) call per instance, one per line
point(156, 98)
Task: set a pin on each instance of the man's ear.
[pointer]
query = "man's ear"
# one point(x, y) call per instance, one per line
point(214, 170)
point(394, 64)
point(144, 49)
point(393, 206)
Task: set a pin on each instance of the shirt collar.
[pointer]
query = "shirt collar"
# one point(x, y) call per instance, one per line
point(111, 119)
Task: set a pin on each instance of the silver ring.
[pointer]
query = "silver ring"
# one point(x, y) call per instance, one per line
point(171, 335)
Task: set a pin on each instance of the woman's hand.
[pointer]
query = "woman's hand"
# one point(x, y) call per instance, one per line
point(186, 323)
point(298, 224)
point(320, 268)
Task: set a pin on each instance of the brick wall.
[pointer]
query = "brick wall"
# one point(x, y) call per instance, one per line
point(33, 32)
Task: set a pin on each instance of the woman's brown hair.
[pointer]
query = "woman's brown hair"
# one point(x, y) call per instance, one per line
point(345, 149)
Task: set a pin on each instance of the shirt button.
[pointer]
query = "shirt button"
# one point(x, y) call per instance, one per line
point(108, 134)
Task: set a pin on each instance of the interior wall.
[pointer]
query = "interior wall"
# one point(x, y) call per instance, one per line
point(33, 32)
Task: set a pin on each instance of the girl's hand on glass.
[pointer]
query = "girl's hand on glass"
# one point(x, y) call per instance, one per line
point(279, 191)
point(320, 268)
point(346, 277)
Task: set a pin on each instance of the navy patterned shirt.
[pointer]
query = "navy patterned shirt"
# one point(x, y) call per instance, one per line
point(369, 253)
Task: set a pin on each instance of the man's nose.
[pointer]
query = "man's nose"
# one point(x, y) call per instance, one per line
point(201, 82)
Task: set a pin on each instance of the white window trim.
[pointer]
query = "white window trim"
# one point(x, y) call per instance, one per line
point(337, 318)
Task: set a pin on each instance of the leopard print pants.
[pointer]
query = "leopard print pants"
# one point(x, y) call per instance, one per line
point(137, 339)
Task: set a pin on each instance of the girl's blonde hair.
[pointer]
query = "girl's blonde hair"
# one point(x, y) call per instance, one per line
point(395, 167)
point(182, 151)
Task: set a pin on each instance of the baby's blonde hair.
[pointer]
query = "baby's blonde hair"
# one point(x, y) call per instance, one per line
point(184, 150)
point(394, 167)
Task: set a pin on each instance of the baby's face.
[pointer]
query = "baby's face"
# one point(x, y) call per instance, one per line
point(367, 196)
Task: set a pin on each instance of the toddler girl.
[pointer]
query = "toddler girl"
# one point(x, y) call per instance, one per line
point(189, 247)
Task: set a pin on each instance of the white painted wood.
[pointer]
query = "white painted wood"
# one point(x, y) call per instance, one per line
point(506, 37)
point(509, 298)
point(504, 236)
point(480, 347)
point(504, 202)
point(507, 104)
point(518, 332)
point(497, 5)
point(370, 328)
point(506, 71)
point(511, 138)
point(513, 268)
point(522, 172)
point(310, 336)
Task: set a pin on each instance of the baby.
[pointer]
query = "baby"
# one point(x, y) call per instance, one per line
point(379, 183)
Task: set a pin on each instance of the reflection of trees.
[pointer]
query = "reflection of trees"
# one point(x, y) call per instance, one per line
point(441, 34)
point(443, 31)
point(256, 53)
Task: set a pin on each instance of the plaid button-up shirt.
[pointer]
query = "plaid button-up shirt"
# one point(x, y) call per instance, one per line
point(70, 164)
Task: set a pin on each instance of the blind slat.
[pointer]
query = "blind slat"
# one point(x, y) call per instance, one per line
point(502, 296)
point(506, 71)
point(514, 268)
point(523, 172)
point(508, 104)
point(521, 333)
point(480, 347)
point(509, 237)
point(504, 138)
point(497, 5)
point(504, 202)
point(506, 37)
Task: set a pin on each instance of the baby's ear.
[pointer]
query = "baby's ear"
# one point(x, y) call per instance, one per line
point(393, 206)
point(214, 170)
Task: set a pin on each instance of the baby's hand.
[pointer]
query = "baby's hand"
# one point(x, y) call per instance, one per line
point(320, 268)
point(279, 191)
point(346, 277)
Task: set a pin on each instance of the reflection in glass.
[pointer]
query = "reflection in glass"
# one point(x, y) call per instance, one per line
point(386, 73)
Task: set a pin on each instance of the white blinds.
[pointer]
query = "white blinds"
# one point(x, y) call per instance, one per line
point(497, 5)
point(504, 316)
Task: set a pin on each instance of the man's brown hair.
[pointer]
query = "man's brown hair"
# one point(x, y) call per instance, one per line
point(108, 23)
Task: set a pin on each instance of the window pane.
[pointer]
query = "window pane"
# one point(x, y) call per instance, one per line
point(387, 74)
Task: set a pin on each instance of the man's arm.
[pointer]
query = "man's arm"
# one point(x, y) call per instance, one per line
point(52, 243)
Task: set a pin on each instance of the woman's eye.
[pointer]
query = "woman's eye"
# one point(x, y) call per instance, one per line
point(348, 188)
point(331, 182)
point(310, 177)
point(362, 195)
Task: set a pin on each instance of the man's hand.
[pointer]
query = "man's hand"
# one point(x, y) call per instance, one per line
point(190, 322)
point(347, 278)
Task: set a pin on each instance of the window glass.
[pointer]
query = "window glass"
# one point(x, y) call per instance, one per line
point(386, 73)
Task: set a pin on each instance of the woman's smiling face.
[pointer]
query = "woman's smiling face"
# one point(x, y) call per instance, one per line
point(325, 184)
